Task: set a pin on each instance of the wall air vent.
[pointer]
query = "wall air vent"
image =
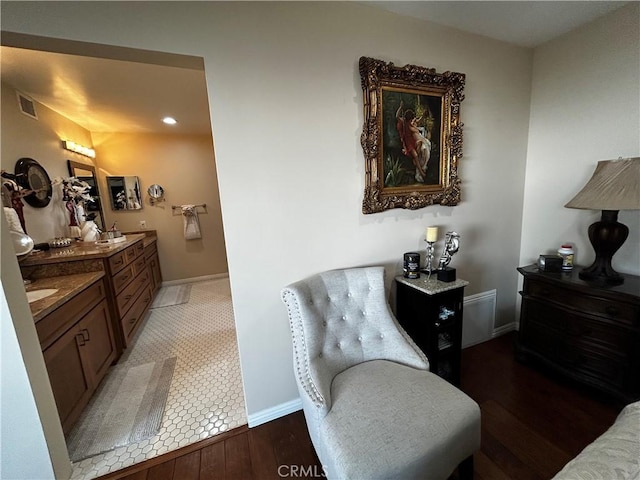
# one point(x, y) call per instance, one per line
point(27, 106)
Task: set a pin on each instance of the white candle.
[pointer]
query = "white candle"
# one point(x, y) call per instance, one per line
point(431, 234)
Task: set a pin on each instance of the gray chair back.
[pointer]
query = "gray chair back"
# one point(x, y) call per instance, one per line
point(339, 319)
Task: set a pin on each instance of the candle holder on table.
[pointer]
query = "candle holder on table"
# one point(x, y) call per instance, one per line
point(428, 263)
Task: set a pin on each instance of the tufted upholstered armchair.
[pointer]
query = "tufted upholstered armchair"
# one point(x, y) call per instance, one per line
point(373, 409)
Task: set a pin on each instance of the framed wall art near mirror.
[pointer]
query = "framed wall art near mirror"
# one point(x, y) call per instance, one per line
point(124, 193)
point(87, 173)
point(412, 135)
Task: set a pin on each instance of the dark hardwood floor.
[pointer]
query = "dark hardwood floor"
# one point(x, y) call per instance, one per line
point(532, 424)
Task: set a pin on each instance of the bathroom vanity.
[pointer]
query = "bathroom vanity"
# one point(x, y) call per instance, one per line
point(98, 298)
point(132, 276)
point(76, 335)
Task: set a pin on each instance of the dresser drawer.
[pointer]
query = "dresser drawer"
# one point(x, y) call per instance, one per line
point(553, 321)
point(64, 317)
point(135, 315)
point(617, 311)
point(590, 363)
point(123, 278)
point(128, 296)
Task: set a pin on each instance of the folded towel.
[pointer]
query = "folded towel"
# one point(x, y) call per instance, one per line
point(191, 223)
point(13, 220)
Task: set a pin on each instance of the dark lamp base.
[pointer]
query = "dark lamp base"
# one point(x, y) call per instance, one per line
point(606, 237)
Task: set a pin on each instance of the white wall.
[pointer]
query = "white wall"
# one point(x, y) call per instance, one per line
point(31, 438)
point(286, 103)
point(585, 107)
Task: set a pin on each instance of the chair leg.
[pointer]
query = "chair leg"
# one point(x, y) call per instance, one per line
point(465, 469)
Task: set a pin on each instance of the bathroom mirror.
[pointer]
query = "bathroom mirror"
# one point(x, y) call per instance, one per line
point(124, 193)
point(87, 173)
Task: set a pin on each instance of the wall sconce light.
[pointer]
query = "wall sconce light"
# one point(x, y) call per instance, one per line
point(77, 148)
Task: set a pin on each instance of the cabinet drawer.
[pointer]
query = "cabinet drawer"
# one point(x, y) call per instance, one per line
point(150, 250)
point(552, 321)
point(617, 311)
point(139, 265)
point(117, 261)
point(590, 363)
point(128, 296)
point(130, 253)
point(61, 319)
point(123, 278)
point(139, 248)
point(136, 313)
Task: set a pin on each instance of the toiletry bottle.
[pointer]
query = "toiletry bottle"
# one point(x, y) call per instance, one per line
point(566, 252)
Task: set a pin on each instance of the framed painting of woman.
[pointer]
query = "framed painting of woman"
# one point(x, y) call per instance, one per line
point(412, 135)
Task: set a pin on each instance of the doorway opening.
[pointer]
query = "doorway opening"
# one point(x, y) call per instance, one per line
point(118, 95)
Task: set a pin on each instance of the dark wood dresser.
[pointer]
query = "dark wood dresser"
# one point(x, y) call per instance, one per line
point(586, 331)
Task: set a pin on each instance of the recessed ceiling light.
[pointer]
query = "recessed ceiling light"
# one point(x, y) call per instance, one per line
point(169, 120)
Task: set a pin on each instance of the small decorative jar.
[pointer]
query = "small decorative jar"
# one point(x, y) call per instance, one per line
point(566, 252)
point(411, 265)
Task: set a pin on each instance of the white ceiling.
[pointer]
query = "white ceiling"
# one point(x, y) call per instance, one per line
point(106, 95)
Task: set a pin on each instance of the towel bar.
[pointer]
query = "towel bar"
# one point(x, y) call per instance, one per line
point(178, 207)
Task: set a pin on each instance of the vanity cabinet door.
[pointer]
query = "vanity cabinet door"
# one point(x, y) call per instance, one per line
point(70, 382)
point(99, 349)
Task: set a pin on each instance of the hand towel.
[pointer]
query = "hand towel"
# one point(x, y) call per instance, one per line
point(12, 219)
point(191, 223)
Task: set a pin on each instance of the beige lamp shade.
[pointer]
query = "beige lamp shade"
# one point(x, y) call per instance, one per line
point(615, 185)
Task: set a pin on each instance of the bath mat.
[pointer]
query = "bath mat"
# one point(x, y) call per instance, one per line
point(131, 406)
point(172, 295)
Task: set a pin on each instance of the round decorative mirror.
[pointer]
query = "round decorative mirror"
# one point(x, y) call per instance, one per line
point(155, 191)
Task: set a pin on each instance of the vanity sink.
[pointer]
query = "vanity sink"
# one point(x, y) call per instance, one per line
point(36, 295)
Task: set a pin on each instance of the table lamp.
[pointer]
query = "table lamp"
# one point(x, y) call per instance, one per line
point(614, 186)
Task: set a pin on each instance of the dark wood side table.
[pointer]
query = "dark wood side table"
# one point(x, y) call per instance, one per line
point(586, 331)
point(430, 311)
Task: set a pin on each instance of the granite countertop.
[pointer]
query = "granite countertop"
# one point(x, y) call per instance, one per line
point(79, 251)
point(431, 286)
point(68, 287)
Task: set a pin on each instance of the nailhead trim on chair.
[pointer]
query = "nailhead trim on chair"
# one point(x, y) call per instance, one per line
point(305, 377)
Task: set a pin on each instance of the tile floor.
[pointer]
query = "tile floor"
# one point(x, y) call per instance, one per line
point(206, 396)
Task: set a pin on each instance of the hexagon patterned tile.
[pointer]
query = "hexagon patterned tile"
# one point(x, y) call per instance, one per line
point(205, 397)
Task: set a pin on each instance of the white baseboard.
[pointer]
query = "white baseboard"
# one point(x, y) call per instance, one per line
point(272, 413)
point(215, 276)
point(509, 327)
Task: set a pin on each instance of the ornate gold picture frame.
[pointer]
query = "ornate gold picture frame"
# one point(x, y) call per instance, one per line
point(412, 135)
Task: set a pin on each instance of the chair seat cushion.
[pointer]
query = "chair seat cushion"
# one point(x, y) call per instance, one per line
point(392, 421)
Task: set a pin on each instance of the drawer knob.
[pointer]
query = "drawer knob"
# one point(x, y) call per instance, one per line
point(133, 320)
